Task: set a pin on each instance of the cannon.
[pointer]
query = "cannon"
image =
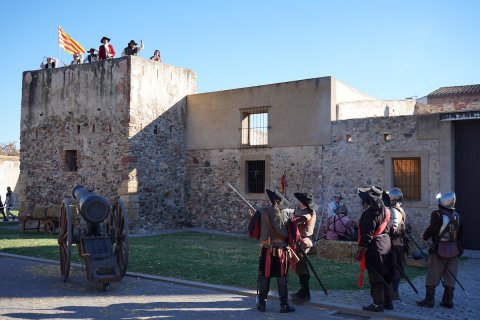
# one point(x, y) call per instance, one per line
point(100, 232)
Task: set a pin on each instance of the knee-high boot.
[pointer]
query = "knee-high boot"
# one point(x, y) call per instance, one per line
point(264, 287)
point(376, 291)
point(304, 293)
point(282, 284)
point(447, 299)
point(429, 300)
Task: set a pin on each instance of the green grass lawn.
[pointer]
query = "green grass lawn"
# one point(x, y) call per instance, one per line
point(216, 259)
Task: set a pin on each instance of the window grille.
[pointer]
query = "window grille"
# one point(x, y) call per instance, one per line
point(71, 160)
point(255, 176)
point(255, 126)
point(407, 177)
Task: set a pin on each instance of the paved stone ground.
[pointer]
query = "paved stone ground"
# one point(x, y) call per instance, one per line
point(32, 289)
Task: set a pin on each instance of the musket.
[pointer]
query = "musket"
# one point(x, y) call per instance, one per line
point(303, 257)
point(402, 272)
point(245, 200)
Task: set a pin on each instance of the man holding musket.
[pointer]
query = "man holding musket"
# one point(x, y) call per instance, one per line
point(306, 217)
point(276, 230)
point(446, 231)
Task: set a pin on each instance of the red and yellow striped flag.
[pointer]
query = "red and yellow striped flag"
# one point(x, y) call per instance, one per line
point(68, 44)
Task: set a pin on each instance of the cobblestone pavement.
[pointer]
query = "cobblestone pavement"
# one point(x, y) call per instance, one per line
point(32, 289)
point(465, 306)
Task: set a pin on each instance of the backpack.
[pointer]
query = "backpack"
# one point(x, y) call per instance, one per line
point(254, 225)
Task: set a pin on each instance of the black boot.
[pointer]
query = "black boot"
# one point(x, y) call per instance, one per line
point(447, 299)
point(429, 300)
point(282, 284)
point(304, 293)
point(263, 288)
point(376, 291)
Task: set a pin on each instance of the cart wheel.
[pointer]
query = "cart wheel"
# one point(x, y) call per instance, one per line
point(65, 239)
point(49, 227)
point(119, 221)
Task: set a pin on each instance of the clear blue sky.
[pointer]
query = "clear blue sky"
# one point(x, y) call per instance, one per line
point(388, 49)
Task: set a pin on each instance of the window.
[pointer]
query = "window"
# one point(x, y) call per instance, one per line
point(407, 177)
point(255, 176)
point(71, 160)
point(255, 126)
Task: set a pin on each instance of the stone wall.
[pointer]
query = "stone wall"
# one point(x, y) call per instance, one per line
point(125, 118)
point(322, 170)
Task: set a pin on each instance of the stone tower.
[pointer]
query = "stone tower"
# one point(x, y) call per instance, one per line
point(117, 127)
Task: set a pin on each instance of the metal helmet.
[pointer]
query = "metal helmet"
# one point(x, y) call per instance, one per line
point(446, 200)
point(396, 196)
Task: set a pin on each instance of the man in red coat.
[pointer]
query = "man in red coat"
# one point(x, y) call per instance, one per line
point(106, 51)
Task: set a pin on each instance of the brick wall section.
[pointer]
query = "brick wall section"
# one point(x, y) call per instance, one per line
point(446, 106)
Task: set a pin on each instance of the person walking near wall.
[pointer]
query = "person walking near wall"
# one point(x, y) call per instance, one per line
point(106, 50)
point(2, 211)
point(274, 252)
point(9, 203)
point(397, 235)
point(374, 247)
point(306, 218)
point(445, 230)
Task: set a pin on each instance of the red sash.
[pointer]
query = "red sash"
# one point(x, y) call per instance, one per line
point(362, 261)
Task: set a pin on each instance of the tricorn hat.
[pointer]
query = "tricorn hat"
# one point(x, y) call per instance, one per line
point(305, 198)
point(132, 42)
point(276, 197)
point(103, 38)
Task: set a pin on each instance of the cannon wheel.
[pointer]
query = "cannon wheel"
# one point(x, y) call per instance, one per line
point(65, 239)
point(119, 222)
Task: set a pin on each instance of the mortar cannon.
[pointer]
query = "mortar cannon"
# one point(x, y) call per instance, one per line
point(100, 233)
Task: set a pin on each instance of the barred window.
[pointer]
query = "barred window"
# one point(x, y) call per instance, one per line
point(255, 176)
point(71, 160)
point(407, 177)
point(255, 126)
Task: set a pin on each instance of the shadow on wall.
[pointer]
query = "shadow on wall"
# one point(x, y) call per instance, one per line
point(157, 172)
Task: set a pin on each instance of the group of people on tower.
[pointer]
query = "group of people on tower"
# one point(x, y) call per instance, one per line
point(105, 51)
point(383, 235)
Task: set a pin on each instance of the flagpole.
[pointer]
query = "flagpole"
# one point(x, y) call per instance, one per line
point(58, 45)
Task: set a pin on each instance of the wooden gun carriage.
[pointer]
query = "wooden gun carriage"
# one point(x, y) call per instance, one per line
point(100, 233)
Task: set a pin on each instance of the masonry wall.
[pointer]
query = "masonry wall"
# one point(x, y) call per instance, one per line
point(82, 108)
point(107, 112)
point(156, 163)
point(322, 170)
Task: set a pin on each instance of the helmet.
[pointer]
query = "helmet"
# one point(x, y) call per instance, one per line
point(446, 200)
point(396, 196)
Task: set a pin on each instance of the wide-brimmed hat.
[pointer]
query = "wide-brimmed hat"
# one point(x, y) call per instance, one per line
point(92, 49)
point(132, 42)
point(363, 193)
point(276, 197)
point(338, 195)
point(305, 198)
point(103, 38)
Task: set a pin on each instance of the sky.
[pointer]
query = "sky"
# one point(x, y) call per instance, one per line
point(387, 49)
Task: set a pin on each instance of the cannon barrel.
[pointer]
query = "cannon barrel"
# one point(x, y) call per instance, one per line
point(93, 207)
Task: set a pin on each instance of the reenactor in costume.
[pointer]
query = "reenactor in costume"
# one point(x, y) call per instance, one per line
point(374, 247)
point(306, 218)
point(397, 236)
point(275, 254)
point(445, 230)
